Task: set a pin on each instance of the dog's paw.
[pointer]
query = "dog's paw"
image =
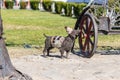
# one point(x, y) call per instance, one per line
point(67, 57)
point(61, 57)
point(44, 56)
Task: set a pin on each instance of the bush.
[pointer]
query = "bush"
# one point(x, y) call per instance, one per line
point(23, 5)
point(59, 6)
point(9, 4)
point(34, 5)
point(69, 9)
point(64, 5)
point(78, 8)
point(47, 5)
point(100, 11)
point(117, 9)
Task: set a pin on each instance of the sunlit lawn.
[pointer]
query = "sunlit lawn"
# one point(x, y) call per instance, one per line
point(28, 26)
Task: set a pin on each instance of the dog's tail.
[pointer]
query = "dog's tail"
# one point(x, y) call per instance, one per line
point(45, 35)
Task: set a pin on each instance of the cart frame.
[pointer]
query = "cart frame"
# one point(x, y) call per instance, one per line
point(89, 27)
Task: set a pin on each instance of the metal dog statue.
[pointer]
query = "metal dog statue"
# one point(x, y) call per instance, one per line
point(62, 43)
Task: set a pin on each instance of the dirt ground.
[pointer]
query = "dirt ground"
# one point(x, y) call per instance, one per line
point(99, 67)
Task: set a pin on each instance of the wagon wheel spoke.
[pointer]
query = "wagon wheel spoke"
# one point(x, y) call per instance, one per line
point(88, 43)
point(84, 29)
point(91, 42)
point(88, 35)
point(90, 26)
point(87, 39)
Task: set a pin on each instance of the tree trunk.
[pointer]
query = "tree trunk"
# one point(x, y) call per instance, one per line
point(7, 70)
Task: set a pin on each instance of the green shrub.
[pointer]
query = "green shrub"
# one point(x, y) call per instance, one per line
point(64, 5)
point(34, 5)
point(98, 11)
point(78, 8)
point(67, 6)
point(69, 9)
point(47, 5)
point(9, 4)
point(23, 5)
point(59, 6)
point(117, 9)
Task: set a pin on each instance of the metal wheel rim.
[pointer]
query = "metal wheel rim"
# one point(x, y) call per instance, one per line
point(88, 36)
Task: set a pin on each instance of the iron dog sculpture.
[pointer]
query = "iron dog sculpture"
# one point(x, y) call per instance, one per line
point(64, 44)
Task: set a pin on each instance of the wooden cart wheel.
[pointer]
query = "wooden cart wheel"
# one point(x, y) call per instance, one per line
point(88, 36)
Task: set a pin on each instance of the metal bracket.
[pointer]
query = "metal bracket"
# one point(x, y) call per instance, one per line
point(1, 67)
point(109, 52)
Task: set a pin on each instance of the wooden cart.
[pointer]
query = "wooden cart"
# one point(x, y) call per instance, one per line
point(88, 24)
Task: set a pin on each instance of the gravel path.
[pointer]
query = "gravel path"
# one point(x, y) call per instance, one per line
point(99, 67)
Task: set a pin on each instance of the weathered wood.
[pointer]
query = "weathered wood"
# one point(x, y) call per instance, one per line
point(7, 70)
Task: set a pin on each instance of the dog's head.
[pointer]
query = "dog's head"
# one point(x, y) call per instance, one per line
point(72, 32)
point(68, 29)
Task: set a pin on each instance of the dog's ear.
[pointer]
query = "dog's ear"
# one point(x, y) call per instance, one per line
point(75, 33)
point(45, 35)
point(65, 27)
point(78, 31)
point(68, 30)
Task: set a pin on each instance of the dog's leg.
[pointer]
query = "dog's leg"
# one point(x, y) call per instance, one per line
point(67, 54)
point(44, 52)
point(72, 49)
point(62, 52)
point(48, 50)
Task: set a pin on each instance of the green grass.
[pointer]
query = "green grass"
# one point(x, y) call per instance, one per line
point(109, 40)
point(35, 18)
point(28, 26)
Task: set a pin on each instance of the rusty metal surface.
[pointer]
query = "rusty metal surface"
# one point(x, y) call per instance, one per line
point(104, 24)
point(109, 52)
